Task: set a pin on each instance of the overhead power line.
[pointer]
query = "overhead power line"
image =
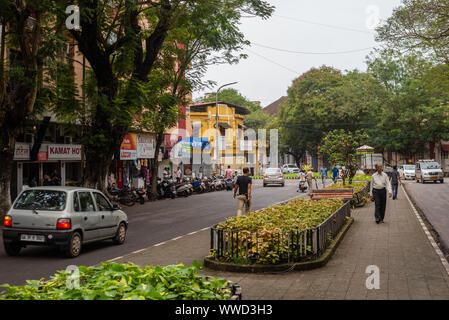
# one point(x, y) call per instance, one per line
point(273, 62)
point(305, 52)
point(324, 25)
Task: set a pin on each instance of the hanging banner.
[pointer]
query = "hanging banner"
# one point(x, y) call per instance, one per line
point(145, 146)
point(128, 149)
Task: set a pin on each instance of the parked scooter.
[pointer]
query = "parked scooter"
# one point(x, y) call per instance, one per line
point(167, 188)
point(182, 189)
point(198, 186)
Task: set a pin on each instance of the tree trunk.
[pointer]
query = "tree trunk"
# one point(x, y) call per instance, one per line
point(6, 164)
point(155, 170)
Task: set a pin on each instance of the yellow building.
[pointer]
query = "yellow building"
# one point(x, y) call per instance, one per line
point(233, 150)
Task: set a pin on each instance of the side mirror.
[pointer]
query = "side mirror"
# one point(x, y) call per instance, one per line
point(115, 207)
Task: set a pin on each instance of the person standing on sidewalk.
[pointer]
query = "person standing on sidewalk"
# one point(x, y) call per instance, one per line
point(380, 184)
point(323, 173)
point(395, 180)
point(229, 173)
point(243, 186)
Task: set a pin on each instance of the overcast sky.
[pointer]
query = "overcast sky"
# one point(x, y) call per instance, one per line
point(322, 26)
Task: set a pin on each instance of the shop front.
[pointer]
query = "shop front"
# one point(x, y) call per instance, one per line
point(133, 169)
point(57, 164)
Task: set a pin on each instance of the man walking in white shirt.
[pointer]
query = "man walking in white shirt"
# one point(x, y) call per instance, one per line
point(380, 184)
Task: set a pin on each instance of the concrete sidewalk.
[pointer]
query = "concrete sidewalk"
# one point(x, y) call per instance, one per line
point(409, 266)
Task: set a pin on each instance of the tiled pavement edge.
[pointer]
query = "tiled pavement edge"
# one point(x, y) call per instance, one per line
point(409, 266)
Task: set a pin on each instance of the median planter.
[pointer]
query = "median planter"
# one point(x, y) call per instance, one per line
point(361, 190)
point(298, 232)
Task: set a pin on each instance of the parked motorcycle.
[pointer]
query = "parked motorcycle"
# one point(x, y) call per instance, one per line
point(140, 194)
point(123, 196)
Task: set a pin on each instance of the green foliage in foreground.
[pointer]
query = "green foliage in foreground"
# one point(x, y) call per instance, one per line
point(114, 281)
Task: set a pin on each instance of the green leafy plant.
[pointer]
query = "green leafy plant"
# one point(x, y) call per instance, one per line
point(268, 236)
point(114, 281)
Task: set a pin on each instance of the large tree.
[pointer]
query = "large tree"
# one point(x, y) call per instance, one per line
point(419, 25)
point(325, 99)
point(33, 39)
point(122, 41)
point(417, 106)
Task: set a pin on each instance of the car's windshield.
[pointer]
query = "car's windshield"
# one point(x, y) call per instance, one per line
point(48, 200)
point(292, 166)
point(273, 170)
point(430, 165)
point(409, 167)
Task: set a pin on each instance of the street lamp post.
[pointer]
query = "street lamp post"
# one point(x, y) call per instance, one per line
point(216, 120)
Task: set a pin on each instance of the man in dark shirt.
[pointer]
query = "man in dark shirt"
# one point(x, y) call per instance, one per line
point(395, 179)
point(243, 186)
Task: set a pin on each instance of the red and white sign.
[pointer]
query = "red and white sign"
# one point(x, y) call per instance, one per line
point(42, 156)
point(64, 152)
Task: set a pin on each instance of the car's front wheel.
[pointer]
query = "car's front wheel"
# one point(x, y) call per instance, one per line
point(120, 235)
point(12, 249)
point(73, 249)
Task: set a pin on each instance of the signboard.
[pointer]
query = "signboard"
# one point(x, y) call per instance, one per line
point(64, 152)
point(145, 146)
point(42, 156)
point(128, 148)
point(22, 151)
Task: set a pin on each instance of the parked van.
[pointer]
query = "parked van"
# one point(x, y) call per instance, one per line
point(428, 170)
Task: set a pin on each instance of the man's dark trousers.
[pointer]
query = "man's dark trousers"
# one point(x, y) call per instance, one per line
point(394, 189)
point(380, 200)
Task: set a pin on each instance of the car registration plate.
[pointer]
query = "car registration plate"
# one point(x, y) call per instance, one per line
point(433, 177)
point(32, 237)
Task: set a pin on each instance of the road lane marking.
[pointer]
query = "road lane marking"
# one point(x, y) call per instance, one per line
point(115, 259)
point(428, 234)
point(194, 232)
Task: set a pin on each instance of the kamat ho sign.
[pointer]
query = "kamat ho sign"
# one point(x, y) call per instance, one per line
point(64, 152)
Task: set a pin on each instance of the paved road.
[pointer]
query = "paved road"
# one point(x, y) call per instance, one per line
point(433, 200)
point(149, 224)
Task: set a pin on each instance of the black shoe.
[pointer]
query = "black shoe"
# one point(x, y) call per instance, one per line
point(377, 221)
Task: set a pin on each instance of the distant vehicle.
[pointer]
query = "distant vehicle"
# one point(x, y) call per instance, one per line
point(67, 217)
point(290, 168)
point(273, 176)
point(407, 171)
point(428, 170)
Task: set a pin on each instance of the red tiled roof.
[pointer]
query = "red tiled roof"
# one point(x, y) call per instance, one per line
point(273, 108)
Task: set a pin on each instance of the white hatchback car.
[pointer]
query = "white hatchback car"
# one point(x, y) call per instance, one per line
point(67, 217)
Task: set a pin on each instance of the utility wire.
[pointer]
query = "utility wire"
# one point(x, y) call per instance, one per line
point(323, 24)
point(274, 62)
point(304, 52)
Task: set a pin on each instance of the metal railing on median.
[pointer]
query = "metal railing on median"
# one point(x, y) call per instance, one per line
point(358, 196)
point(265, 247)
